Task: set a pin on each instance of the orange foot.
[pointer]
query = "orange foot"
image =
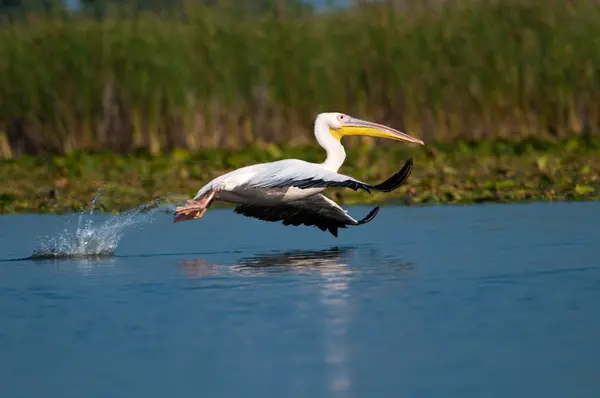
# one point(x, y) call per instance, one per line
point(184, 213)
point(193, 209)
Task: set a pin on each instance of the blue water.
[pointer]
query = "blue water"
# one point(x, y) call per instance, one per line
point(449, 301)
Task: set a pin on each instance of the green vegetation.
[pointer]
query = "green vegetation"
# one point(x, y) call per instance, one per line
point(487, 171)
point(504, 93)
point(210, 77)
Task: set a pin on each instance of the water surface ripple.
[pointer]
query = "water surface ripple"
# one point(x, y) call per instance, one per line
point(449, 301)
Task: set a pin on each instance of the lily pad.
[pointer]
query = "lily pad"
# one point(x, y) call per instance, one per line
point(584, 189)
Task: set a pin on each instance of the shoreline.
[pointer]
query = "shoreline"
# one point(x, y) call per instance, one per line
point(383, 204)
point(461, 174)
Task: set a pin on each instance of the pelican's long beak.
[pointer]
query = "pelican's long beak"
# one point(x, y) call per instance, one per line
point(355, 126)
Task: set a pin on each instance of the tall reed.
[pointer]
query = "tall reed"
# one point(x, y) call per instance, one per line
point(213, 78)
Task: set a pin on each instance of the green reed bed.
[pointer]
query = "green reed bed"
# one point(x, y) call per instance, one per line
point(212, 78)
point(486, 171)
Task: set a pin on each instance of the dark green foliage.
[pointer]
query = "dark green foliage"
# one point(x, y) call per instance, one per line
point(449, 173)
point(208, 77)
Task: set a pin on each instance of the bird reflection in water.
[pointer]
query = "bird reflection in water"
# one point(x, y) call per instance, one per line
point(302, 261)
point(334, 291)
point(200, 268)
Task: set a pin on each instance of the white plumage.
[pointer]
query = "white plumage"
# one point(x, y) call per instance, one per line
point(269, 180)
point(290, 190)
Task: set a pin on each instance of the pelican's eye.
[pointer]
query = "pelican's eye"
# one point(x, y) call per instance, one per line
point(342, 118)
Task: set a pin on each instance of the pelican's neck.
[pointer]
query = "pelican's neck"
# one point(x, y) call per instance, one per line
point(335, 150)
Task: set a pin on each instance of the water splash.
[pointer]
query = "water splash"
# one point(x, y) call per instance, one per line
point(96, 239)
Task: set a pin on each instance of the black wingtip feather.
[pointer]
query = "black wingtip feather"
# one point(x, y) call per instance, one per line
point(311, 183)
point(369, 217)
point(397, 179)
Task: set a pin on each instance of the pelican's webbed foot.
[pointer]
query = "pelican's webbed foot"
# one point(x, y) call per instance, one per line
point(193, 209)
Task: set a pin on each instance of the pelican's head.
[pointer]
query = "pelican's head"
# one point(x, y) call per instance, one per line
point(341, 124)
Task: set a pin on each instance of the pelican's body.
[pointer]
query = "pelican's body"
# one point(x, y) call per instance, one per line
point(249, 185)
point(290, 190)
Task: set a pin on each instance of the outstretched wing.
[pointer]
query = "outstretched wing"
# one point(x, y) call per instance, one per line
point(315, 210)
point(300, 174)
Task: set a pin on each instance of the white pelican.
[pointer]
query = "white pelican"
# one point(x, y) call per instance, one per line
point(290, 190)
